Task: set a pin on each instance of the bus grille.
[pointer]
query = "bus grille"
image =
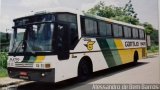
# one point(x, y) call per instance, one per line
point(24, 64)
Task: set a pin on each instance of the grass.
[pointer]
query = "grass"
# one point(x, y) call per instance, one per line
point(153, 49)
point(3, 64)
point(3, 72)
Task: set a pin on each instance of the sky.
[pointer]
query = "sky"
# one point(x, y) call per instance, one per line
point(9, 9)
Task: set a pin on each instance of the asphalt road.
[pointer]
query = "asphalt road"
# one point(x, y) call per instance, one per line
point(146, 71)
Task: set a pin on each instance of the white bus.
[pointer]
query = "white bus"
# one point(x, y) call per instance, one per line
point(59, 45)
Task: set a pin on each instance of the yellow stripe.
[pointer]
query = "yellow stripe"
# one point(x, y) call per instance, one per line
point(39, 59)
point(125, 55)
point(119, 43)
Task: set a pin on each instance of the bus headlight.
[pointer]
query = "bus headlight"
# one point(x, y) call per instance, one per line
point(43, 74)
point(47, 65)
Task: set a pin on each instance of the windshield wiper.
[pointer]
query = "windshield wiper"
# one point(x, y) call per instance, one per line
point(19, 46)
point(33, 52)
point(22, 41)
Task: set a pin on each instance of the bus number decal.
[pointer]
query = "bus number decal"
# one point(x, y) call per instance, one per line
point(14, 59)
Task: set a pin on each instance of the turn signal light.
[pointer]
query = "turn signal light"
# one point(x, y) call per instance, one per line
point(47, 65)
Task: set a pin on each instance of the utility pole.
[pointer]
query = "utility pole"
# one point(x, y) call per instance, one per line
point(159, 23)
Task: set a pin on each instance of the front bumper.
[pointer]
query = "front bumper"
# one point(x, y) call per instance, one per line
point(40, 75)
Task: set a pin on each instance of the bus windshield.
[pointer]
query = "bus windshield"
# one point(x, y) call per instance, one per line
point(39, 37)
point(33, 34)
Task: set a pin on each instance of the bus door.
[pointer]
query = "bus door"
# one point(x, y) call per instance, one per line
point(62, 41)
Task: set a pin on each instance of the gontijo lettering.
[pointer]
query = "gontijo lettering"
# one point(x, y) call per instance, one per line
point(134, 43)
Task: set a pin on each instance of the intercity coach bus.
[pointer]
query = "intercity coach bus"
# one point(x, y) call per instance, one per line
point(56, 46)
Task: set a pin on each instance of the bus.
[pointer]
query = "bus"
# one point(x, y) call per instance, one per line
point(64, 44)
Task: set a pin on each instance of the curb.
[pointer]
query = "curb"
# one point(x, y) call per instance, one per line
point(11, 83)
point(152, 55)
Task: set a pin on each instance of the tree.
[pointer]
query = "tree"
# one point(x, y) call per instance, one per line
point(148, 28)
point(125, 14)
point(154, 37)
point(105, 11)
point(129, 16)
point(129, 10)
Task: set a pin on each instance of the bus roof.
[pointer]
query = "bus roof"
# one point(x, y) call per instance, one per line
point(74, 11)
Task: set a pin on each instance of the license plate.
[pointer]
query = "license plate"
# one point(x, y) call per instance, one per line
point(23, 73)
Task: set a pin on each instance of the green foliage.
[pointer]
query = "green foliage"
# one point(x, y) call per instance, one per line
point(154, 37)
point(129, 10)
point(148, 28)
point(154, 48)
point(3, 72)
point(126, 19)
point(4, 42)
point(125, 14)
point(3, 37)
point(105, 11)
point(3, 59)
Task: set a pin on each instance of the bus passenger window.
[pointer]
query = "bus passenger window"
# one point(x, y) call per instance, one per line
point(102, 28)
point(127, 32)
point(135, 33)
point(105, 29)
point(120, 31)
point(117, 30)
point(109, 30)
point(141, 33)
point(90, 27)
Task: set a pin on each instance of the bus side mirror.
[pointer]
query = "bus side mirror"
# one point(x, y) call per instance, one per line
point(62, 41)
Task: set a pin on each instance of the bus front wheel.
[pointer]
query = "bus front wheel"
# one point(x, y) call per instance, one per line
point(84, 71)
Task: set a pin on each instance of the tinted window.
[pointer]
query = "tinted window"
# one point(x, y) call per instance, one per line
point(73, 33)
point(67, 18)
point(90, 27)
point(141, 33)
point(127, 32)
point(117, 30)
point(120, 31)
point(102, 28)
point(105, 29)
point(135, 33)
point(109, 30)
point(71, 19)
point(40, 37)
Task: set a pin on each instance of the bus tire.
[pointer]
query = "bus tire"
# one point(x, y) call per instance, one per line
point(84, 70)
point(136, 57)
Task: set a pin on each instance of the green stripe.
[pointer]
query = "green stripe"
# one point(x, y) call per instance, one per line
point(106, 53)
point(32, 59)
point(29, 59)
point(115, 53)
